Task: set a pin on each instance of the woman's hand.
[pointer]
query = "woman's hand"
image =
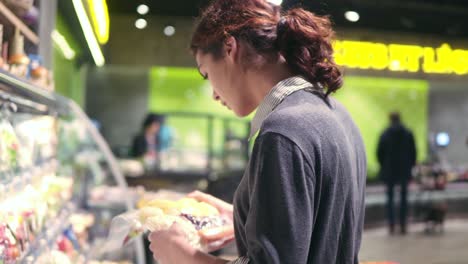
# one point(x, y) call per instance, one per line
point(218, 237)
point(225, 209)
point(171, 247)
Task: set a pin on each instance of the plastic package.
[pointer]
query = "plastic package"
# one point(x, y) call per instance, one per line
point(156, 215)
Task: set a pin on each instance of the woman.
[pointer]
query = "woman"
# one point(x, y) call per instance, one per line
point(154, 137)
point(146, 142)
point(301, 199)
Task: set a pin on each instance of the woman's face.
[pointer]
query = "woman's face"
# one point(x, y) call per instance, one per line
point(228, 80)
point(153, 129)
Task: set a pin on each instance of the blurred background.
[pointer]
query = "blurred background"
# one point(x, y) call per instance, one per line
point(84, 82)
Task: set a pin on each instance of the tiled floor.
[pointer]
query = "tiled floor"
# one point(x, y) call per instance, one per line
point(416, 247)
point(451, 247)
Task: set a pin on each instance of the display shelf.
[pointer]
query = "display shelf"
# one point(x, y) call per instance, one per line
point(30, 94)
point(84, 156)
point(15, 21)
point(48, 237)
point(24, 176)
point(26, 106)
point(27, 95)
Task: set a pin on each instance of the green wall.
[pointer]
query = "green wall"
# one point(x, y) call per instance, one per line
point(67, 75)
point(369, 100)
point(184, 90)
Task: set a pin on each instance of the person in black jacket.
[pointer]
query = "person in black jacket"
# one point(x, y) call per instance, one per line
point(396, 153)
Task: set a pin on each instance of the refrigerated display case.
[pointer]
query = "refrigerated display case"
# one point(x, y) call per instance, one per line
point(60, 185)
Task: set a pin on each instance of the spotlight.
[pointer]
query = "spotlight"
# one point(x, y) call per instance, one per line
point(141, 23)
point(169, 31)
point(352, 16)
point(142, 9)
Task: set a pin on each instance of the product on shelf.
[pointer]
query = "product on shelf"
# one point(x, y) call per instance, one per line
point(192, 216)
point(38, 146)
point(39, 76)
point(51, 168)
point(18, 60)
point(71, 136)
point(1, 46)
point(71, 242)
point(54, 257)
point(9, 147)
point(27, 213)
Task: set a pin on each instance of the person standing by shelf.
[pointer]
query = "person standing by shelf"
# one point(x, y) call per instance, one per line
point(301, 199)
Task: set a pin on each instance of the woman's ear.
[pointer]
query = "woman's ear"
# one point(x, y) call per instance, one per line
point(231, 49)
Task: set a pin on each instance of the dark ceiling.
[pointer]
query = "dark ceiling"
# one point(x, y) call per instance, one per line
point(441, 17)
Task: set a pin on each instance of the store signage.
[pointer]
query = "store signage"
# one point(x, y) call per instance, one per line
point(401, 58)
point(99, 19)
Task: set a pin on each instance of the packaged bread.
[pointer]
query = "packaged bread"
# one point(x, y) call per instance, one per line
point(191, 215)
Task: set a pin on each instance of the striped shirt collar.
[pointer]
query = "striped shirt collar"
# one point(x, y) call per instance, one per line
point(276, 95)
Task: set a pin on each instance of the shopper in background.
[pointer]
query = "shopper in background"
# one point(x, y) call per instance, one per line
point(396, 153)
point(301, 199)
point(146, 142)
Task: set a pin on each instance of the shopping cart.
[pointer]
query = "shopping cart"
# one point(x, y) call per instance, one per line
point(430, 206)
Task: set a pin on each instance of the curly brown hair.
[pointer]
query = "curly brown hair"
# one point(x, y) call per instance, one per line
point(301, 37)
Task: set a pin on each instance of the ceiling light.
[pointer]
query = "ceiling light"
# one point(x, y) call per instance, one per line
point(169, 31)
point(142, 9)
point(352, 16)
point(276, 2)
point(63, 45)
point(88, 32)
point(141, 23)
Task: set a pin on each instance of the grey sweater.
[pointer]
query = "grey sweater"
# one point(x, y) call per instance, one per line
point(301, 199)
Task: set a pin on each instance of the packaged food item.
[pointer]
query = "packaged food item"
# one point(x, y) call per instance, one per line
point(160, 214)
point(55, 256)
point(9, 147)
point(18, 60)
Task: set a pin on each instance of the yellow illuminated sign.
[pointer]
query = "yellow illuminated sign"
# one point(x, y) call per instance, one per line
point(401, 58)
point(99, 19)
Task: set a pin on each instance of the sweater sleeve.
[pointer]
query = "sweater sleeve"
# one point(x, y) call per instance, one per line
point(279, 222)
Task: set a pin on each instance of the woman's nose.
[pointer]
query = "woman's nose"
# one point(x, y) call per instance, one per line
point(215, 96)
